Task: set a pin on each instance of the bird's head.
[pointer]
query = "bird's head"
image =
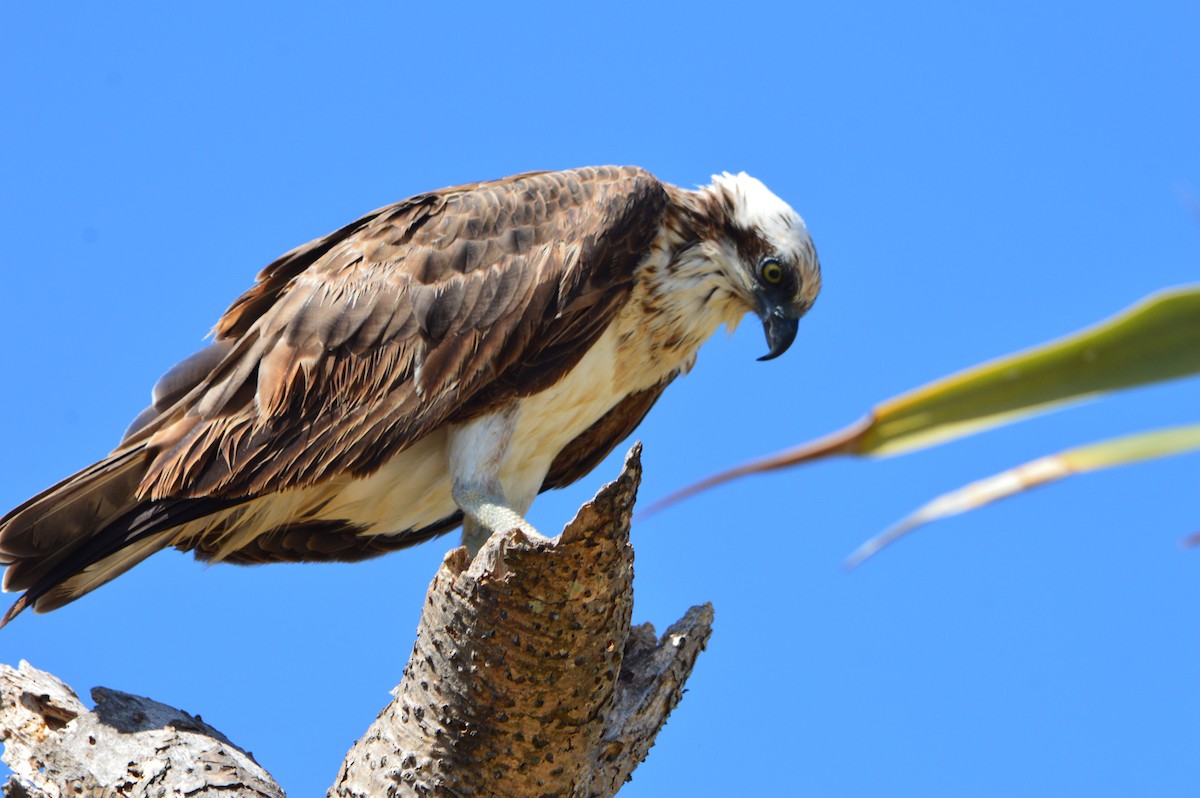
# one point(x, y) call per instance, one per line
point(768, 260)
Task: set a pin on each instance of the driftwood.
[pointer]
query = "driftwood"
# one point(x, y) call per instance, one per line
point(526, 679)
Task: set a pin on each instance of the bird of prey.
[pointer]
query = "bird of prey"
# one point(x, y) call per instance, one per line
point(436, 363)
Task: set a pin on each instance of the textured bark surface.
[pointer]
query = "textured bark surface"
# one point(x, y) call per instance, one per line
point(526, 679)
point(128, 746)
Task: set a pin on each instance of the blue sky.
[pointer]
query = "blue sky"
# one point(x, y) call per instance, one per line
point(977, 179)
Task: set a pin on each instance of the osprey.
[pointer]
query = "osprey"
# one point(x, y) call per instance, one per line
point(436, 363)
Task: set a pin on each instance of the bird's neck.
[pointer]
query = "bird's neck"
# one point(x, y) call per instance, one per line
point(683, 291)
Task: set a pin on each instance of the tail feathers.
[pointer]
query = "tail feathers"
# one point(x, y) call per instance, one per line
point(106, 554)
point(13, 611)
point(52, 591)
point(87, 570)
point(60, 517)
point(86, 530)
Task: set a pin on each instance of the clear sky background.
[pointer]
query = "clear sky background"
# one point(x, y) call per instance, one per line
point(977, 178)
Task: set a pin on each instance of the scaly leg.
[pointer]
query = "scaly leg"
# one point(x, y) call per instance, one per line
point(476, 452)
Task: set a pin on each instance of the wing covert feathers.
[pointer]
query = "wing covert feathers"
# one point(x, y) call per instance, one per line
point(434, 310)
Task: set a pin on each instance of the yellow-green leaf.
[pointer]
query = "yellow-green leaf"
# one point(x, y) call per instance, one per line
point(1156, 339)
point(1092, 457)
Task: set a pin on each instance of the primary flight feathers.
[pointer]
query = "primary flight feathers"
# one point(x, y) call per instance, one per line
point(437, 362)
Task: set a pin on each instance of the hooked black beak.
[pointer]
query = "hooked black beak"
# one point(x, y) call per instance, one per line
point(780, 327)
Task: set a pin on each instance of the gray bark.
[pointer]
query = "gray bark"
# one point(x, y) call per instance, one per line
point(127, 746)
point(526, 679)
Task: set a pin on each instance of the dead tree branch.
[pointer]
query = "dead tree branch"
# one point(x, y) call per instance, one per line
point(128, 746)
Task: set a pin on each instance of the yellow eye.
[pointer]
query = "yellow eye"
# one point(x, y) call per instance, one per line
point(772, 272)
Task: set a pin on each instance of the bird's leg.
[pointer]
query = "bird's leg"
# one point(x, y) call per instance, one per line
point(484, 515)
point(476, 452)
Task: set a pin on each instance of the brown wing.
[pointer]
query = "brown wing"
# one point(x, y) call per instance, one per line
point(432, 310)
